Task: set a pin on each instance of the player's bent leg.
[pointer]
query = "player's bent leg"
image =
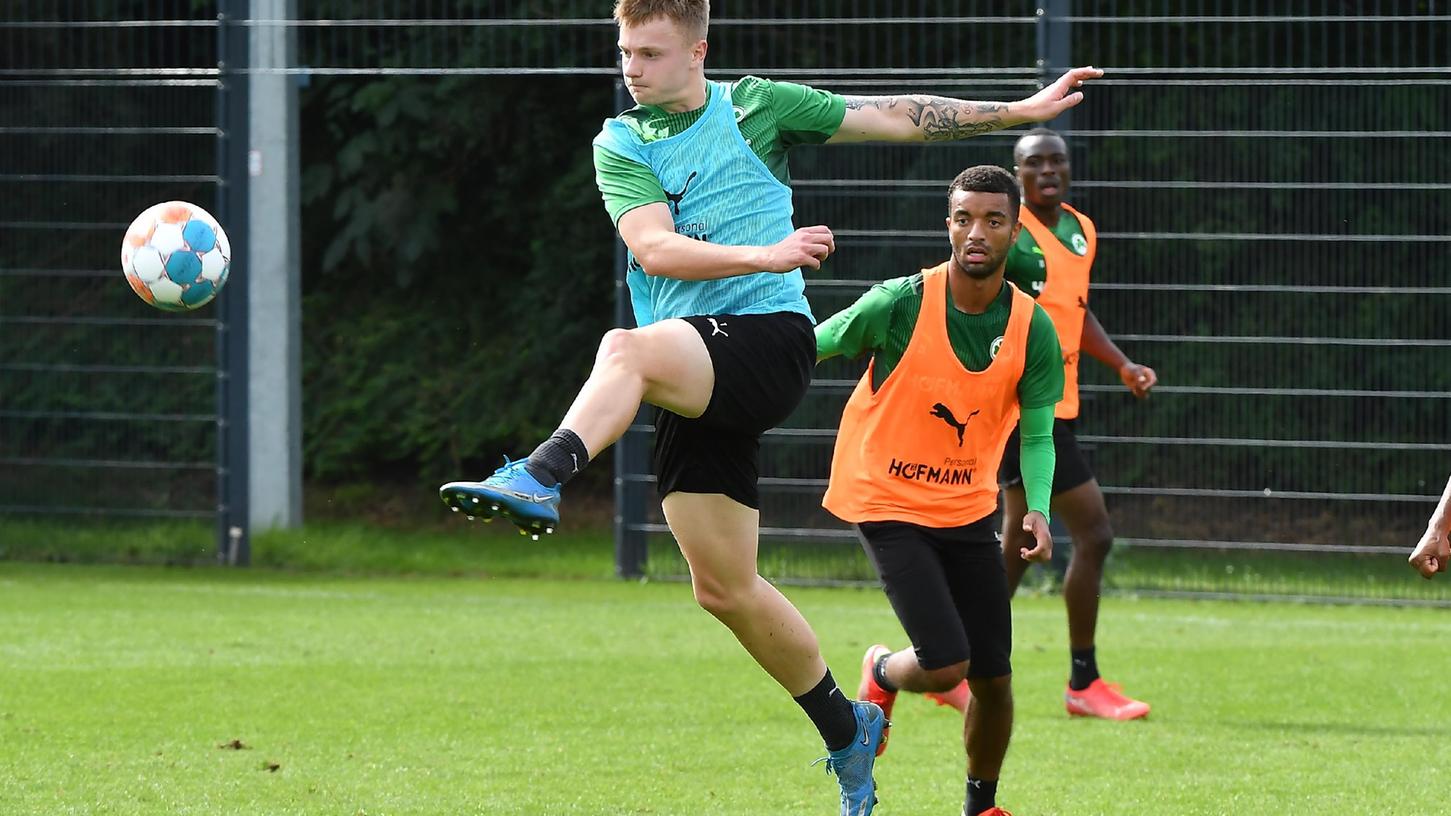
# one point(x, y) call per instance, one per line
point(718, 538)
point(909, 561)
point(1015, 538)
point(664, 364)
point(885, 673)
point(907, 674)
point(945, 686)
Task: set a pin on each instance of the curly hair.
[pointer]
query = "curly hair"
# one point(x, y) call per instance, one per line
point(987, 178)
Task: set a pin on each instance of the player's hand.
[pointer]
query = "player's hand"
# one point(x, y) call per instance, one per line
point(805, 248)
point(1432, 555)
point(1138, 378)
point(1033, 522)
point(1056, 98)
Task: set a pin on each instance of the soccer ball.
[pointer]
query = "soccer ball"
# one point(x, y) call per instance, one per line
point(176, 256)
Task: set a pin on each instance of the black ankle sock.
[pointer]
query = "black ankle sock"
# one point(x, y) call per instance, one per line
point(558, 458)
point(879, 673)
point(1085, 669)
point(831, 713)
point(982, 794)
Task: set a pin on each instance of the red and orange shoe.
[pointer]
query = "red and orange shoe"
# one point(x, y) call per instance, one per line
point(871, 691)
point(994, 811)
point(1104, 700)
point(957, 698)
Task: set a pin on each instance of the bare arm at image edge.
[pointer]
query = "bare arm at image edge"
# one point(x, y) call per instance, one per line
point(1433, 553)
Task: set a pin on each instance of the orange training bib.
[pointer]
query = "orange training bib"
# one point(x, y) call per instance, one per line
point(925, 447)
point(1065, 296)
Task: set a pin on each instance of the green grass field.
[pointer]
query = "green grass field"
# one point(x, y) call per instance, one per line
point(145, 690)
point(437, 543)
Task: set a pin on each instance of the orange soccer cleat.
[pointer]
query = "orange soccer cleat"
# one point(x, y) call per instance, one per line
point(872, 691)
point(1104, 700)
point(957, 698)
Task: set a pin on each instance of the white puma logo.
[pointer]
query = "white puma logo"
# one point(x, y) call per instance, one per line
point(717, 328)
point(575, 457)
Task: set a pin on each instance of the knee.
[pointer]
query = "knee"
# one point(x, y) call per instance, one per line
point(616, 348)
point(991, 689)
point(720, 599)
point(945, 678)
point(1095, 543)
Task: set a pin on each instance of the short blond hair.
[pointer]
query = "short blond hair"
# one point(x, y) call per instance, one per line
point(691, 15)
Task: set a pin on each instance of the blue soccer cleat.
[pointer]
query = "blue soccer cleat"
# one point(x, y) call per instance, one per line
point(853, 764)
point(512, 492)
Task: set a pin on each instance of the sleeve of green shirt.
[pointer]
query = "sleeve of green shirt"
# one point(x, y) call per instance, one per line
point(1042, 382)
point(862, 326)
point(624, 183)
point(1039, 391)
point(1038, 456)
point(805, 115)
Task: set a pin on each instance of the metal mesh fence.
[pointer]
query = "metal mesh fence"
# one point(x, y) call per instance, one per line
point(1266, 192)
point(108, 409)
point(1265, 178)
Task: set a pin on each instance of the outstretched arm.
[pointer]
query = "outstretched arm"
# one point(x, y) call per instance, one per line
point(1098, 345)
point(649, 232)
point(917, 118)
point(1433, 553)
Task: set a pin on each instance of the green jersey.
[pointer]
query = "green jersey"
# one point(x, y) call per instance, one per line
point(772, 116)
point(1026, 266)
point(883, 319)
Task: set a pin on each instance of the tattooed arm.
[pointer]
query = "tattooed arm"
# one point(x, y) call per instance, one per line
point(917, 118)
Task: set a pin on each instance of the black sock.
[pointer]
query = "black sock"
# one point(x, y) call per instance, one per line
point(831, 712)
point(982, 794)
point(1085, 669)
point(558, 458)
point(879, 673)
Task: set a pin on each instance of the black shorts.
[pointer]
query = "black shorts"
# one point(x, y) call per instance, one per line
point(763, 364)
point(1070, 471)
point(949, 589)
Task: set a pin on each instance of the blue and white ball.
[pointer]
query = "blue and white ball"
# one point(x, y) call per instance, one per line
point(176, 256)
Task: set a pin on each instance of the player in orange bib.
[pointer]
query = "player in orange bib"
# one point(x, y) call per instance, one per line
point(957, 355)
point(1051, 260)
